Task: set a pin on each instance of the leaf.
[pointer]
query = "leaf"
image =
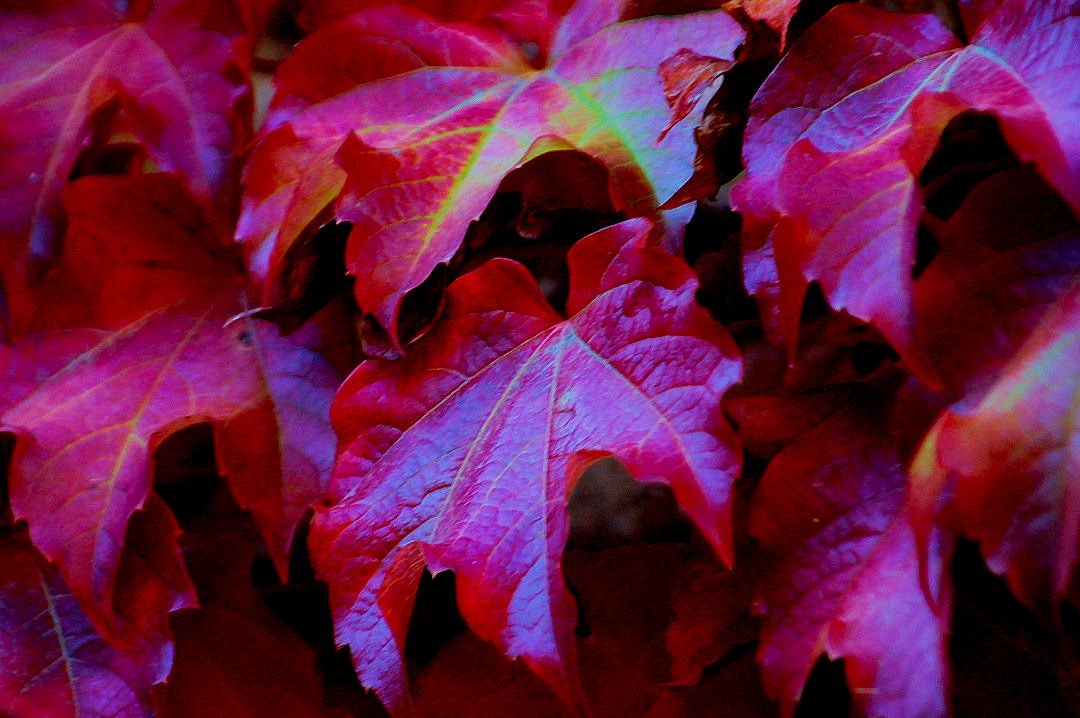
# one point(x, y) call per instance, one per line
point(531, 20)
point(838, 157)
point(1004, 471)
point(657, 615)
point(462, 455)
point(846, 580)
point(686, 75)
point(469, 678)
point(36, 358)
point(648, 608)
point(291, 176)
point(86, 434)
point(233, 657)
point(731, 689)
point(776, 14)
point(1006, 255)
point(427, 147)
point(66, 65)
point(53, 662)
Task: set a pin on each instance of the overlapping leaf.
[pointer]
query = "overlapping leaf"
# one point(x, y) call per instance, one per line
point(649, 608)
point(233, 658)
point(462, 455)
point(776, 14)
point(52, 660)
point(833, 159)
point(1010, 464)
point(163, 359)
point(1007, 254)
point(847, 580)
point(428, 146)
point(66, 68)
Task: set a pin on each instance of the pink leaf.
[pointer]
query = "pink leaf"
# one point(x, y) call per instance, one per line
point(462, 455)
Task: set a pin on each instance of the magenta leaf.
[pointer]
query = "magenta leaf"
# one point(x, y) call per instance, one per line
point(428, 145)
point(162, 357)
point(63, 67)
point(838, 156)
point(846, 580)
point(462, 455)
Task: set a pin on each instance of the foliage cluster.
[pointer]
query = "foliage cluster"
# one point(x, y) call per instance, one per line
point(547, 357)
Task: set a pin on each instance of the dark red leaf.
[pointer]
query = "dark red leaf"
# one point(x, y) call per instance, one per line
point(233, 658)
point(471, 679)
point(1005, 256)
point(650, 609)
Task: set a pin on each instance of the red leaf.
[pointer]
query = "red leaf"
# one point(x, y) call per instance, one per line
point(776, 14)
point(291, 176)
point(439, 462)
point(429, 146)
point(86, 434)
point(176, 83)
point(848, 581)
point(686, 75)
point(54, 663)
point(531, 20)
point(839, 155)
point(1006, 469)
